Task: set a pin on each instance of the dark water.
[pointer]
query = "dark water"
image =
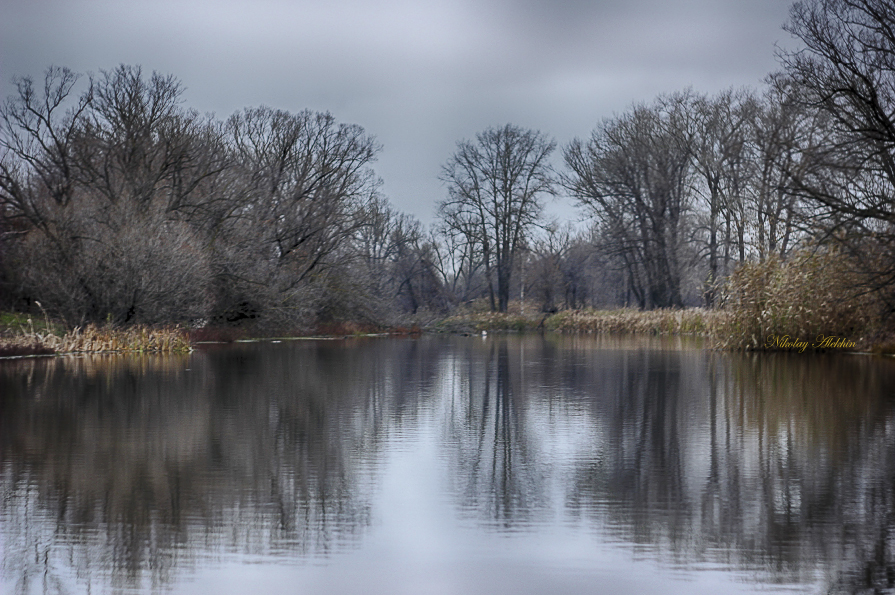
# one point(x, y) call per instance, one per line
point(448, 465)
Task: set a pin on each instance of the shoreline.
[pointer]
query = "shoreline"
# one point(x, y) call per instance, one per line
point(696, 322)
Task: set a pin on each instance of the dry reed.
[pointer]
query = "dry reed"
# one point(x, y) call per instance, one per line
point(95, 339)
point(777, 304)
point(691, 321)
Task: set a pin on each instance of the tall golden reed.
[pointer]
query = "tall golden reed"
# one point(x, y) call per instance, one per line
point(809, 295)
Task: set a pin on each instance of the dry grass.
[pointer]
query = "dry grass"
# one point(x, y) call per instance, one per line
point(810, 295)
point(137, 338)
point(691, 321)
point(95, 339)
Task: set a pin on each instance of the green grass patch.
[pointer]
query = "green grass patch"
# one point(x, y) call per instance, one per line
point(14, 324)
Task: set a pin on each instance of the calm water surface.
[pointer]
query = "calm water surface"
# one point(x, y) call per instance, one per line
point(520, 464)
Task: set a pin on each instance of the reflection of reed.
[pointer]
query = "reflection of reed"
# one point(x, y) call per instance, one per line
point(135, 466)
point(822, 431)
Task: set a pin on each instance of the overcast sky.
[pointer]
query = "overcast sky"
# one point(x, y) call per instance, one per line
point(418, 74)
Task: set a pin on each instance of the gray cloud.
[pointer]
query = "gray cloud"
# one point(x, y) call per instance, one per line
point(420, 75)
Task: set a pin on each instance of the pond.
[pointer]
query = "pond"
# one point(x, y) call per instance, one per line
point(508, 464)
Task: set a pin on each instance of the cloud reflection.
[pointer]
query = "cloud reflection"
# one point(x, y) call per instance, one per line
point(120, 472)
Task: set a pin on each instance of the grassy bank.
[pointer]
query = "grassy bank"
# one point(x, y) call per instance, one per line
point(21, 335)
point(693, 321)
point(812, 301)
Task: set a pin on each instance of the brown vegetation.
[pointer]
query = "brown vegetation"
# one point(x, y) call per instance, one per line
point(691, 321)
point(813, 294)
point(96, 339)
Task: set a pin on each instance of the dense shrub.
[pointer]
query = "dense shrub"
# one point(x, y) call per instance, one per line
point(813, 293)
point(129, 268)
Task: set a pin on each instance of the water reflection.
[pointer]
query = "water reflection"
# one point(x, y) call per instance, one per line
point(133, 467)
point(495, 470)
point(130, 473)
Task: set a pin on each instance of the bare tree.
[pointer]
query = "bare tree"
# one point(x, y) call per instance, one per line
point(38, 135)
point(140, 145)
point(495, 188)
point(95, 177)
point(721, 160)
point(634, 175)
point(396, 266)
point(846, 71)
point(301, 181)
point(457, 260)
point(309, 175)
point(413, 272)
point(783, 137)
point(547, 271)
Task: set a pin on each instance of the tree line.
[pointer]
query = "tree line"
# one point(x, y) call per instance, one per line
point(682, 190)
point(121, 204)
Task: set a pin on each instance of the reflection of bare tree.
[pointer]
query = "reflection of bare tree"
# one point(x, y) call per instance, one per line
point(493, 460)
point(640, 467)
point(134, 469)
point(131, 468)
point(783, 464)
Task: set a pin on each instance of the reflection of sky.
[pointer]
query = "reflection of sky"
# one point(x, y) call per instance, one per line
point(417, 546)
point(451, 465)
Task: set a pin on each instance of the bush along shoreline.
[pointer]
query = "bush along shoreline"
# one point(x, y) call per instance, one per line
point(725, 329)
point(95, 339)
point(816, 300)
point(812, 302)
